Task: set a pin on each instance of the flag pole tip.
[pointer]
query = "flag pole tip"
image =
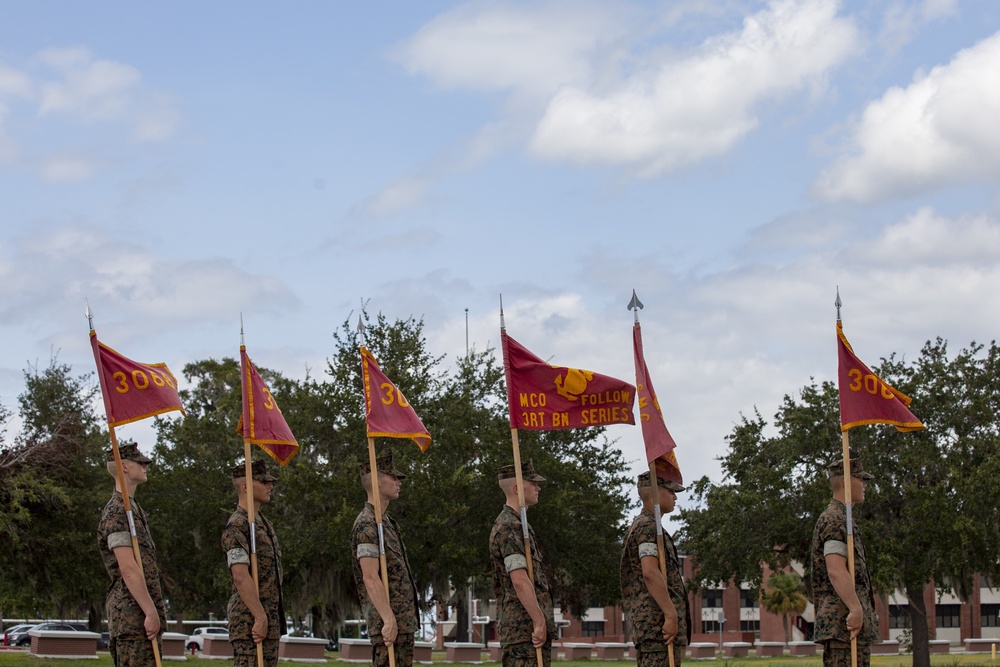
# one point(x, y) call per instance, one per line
point(635, 304)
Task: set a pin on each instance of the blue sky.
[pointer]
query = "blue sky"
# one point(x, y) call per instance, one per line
point(734, 162)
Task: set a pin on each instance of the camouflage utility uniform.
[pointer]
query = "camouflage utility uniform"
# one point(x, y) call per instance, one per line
point(128, 643)
point(236, 545)
point(402, 589)
point(514, 625)
point(830, 536)
point(643, 616)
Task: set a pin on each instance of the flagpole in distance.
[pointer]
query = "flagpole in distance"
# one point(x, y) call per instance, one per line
point(635, 306)
point(847, 504)
point(121, 472)
point(519, 480)
point(251, 501)
point(377, 503)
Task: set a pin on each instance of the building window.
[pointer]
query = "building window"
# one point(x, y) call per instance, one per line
point(990, 615)
point(748, 599)
point(948, 616)
point(592, 628)
point(709, 627)
point(749, 626)
point(711, 599)
point(899, 616)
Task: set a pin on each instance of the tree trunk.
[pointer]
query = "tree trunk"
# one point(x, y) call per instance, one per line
point(94, 618)
point(918, 626)
point(462, 619)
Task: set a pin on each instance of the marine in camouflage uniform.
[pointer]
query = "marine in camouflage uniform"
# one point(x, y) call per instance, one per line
point(129, 643)
point(830, 539)
point(514, 622)
point(267, 599)
point(402, 599)
point(644, 618)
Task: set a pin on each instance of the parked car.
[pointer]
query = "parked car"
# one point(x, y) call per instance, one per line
point(24, 639)
point(197, 638)
point(14, 632)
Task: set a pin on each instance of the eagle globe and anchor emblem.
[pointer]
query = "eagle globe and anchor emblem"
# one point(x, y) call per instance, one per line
point(573, 383)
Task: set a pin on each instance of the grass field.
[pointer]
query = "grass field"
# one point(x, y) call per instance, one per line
point(22, 658)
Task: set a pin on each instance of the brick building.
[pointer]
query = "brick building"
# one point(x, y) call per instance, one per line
point(733, 614)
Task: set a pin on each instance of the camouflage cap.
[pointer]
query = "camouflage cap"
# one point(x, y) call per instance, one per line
point(643, 480)
point(127, 452)
point(527, 472)
point(836, 468)
point(258, 469)
point(383, 464)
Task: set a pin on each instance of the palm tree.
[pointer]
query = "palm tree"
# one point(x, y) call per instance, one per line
point(785, 595)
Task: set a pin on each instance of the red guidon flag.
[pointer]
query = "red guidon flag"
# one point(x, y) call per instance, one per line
point(262, 422)
point(659, 443)
point(133, 390)
point(865, 398)
point(387, 412)
point(541, 397)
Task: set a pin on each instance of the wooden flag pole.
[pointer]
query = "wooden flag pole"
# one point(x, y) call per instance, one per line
point(635, 305)
point(660, 544)
point(519, 479)
point(847, 504)
point(131, 526)
point(251, 515)
point(850, 534)
point(377, 502)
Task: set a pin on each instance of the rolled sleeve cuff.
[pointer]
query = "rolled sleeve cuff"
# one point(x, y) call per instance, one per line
point(120, 539)
point(237, 556)
point(515, 562)
point(366, 550)
point(648, 549)
point(835, 547)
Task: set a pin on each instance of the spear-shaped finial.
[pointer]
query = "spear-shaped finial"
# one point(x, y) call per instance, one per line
point(502, 325)
point(635, 306)
point(242, 343)
point(838, 303)
point(361, 329)
point(90, 315)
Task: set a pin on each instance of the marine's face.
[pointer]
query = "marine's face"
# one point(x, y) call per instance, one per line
point(389, 486)
point(531, 491)
point(136, 471)
point(667, 500)
point(262, 491)
point(858, 489)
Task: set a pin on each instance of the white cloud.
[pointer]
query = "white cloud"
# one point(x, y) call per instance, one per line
point(68, 169)
point(14, 82)
point(680, 111)
point(52, 272)
point(940, 130)
point(904, 19)
point(398, 196)
point(503, 47)
point(607, 89)
point(90, 88)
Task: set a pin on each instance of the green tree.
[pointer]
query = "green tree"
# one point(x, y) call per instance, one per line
point(930, 516)
point(52, 488)
point(785, 596)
